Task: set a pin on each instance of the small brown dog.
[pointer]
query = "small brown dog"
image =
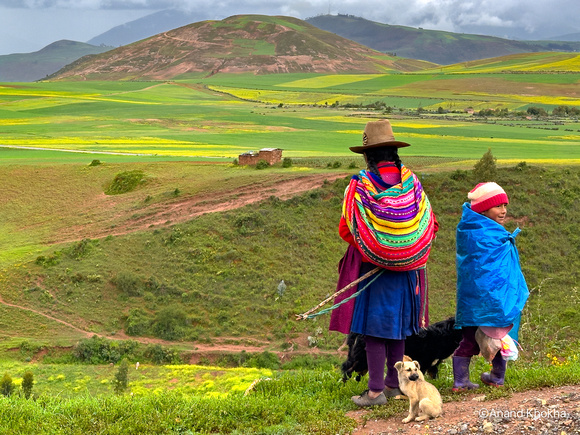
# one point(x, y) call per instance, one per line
point(424, 399)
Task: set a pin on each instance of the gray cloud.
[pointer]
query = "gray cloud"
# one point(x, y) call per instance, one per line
point(48, 20)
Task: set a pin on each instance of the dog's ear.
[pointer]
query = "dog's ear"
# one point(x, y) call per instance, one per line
point(417, 365)
point(398, 365)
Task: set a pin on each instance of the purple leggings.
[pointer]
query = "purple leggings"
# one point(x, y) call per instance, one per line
point(378, 351)
point(468, 345)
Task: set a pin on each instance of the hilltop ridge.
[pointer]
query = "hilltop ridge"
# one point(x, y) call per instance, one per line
point(241, 43)
point(436, 46)
point(28, 67)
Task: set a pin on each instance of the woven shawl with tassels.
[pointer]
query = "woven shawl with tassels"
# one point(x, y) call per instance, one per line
point(393, 228)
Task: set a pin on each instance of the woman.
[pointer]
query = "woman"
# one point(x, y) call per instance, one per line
point(388, 222)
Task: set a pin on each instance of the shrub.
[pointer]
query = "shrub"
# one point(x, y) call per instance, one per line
point(459, 175)
point(138, 322)
point(121, 381)
point(160, 355)
point(6, 385)
point(79, 249)
point(47, 261)
point(287, 162)
point(95, 163)
point(264, 360)
point(262, 164)
point(27, 383)
point(170, 323)
point(522, 166)
point(96, 350)
point(128, 283)
point(536, 111)
point(125, 182)
point(485, 169)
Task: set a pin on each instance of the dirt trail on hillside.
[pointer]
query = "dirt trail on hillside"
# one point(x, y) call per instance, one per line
point(182, 210)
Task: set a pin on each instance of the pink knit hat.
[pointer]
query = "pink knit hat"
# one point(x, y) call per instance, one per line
point(487, 195)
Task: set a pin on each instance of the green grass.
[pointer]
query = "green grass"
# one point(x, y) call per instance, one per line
point(286, 402)
point(214, 280)
point(217, 275)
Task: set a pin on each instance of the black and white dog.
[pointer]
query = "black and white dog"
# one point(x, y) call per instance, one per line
point(429, 347)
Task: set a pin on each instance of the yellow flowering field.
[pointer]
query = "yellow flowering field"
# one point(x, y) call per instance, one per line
point(329, 80)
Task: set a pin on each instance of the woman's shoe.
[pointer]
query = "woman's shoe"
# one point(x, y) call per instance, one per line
point(392, 392)
point(364, 400)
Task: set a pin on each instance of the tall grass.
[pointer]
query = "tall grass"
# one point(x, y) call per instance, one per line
point(289, 402)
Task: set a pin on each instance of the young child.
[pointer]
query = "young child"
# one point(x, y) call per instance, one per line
point(491, 289)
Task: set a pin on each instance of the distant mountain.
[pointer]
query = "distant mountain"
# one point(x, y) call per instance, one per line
point(436, 46)
point(569, 37)
point(145, 27)
point(257, 44)
point(28, 67)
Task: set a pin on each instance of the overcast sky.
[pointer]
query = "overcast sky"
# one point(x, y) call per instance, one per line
point(29, 25)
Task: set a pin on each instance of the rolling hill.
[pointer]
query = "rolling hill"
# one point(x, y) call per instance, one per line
point(243, 43)
point(28, 67)
point(144, 27)
point(436, 46)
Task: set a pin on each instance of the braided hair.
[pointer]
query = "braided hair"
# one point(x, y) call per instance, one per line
point(383, 154)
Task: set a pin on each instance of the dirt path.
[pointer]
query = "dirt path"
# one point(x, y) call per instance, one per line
point(185, 209)
point(545, 411)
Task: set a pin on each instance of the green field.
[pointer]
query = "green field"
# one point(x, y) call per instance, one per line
point(168, 278)
point(306, 115)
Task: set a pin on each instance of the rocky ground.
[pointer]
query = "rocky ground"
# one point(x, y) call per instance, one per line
point(546, 411)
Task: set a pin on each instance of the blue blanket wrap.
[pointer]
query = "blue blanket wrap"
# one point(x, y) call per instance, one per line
point(491, 288)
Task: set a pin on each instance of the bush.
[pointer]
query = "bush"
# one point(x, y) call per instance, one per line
point(95, 163)
point(160, 355)
point(128, 284)
point(6, 385)
point(47, 261)
point(138, 322)
point(170, 323)
point(27, 383)
point(485, 169)
point(459, 175)
point(262, 164)
point(125, 182)
point(264, 360)
point(287, 162)
point(121, 381)
point(79, 249)
point(522, 166)
point(96, 350)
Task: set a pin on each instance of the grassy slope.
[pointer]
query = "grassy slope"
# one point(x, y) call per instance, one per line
point(219, 273)
point(35, 195)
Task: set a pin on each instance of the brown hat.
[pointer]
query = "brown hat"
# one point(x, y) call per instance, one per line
point(378, 134)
